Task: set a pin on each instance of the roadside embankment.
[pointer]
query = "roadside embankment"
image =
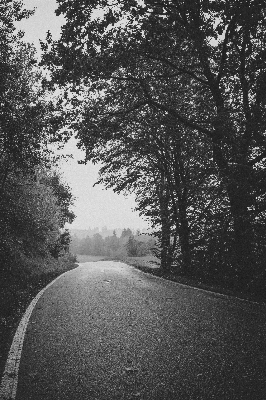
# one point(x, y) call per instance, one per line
point(153, 267)
point(18, 286)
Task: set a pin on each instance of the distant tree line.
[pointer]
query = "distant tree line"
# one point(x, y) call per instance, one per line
point(104, 231)
point(127, 244)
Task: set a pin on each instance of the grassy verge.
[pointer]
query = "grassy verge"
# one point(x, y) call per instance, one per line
point(151, 265)
point(86, 258)
point(146, 263)
point(17, 288)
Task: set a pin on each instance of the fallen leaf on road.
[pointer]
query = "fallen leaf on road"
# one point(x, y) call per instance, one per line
point(131, 369)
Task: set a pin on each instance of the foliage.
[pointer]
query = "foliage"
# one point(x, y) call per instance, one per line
point(34, 202)
point(31, 219)
point(174, 107)
point(62, 192)
point(113, 246)
point(30, 118)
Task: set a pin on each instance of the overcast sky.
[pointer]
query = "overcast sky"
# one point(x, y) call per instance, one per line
point(95, 206)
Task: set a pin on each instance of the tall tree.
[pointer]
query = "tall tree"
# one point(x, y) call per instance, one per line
point(32, 212)
point(30, 116)
point(202, 64)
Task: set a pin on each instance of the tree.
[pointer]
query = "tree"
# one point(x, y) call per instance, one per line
point(113, 242)
point(136, 248)
point(126, 233)
point(62, 193)
point(132, 246)
point(97, 245)
point(32, 212)
point(199, 63)
point(30, 219)
point(61, 246)
point(31, 117)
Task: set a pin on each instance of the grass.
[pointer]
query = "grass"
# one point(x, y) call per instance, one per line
point(18, 286)
point(153, 267)
point(86, 258)
point(146, 263)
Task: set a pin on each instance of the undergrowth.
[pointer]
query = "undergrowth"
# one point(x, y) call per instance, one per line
point(19, 284)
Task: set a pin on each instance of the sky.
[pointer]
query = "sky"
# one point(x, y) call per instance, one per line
point(94, 206)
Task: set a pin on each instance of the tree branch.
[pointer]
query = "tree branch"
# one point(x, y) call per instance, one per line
point(181, 118)
point(225, 42)
point(181, 70)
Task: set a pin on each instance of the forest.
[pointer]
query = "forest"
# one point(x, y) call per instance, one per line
point(35, 202)
point(169, 96)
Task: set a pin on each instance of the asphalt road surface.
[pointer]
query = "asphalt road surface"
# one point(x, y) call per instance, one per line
point(107, 331)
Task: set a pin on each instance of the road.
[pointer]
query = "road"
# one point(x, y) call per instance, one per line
point(108, 331)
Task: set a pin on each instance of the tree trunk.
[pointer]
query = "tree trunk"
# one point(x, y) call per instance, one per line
point(166, 253)
point(184, 233)
point(243, 250)
point(238, 183)
point(166, 257)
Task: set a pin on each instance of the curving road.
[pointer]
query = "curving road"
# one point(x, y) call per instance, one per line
point(107, 331)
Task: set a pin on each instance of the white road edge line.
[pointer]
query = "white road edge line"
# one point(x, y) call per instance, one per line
point(217, 294)
point(9, 383)
point(8, 388)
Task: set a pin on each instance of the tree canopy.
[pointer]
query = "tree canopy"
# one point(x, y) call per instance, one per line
point(170, 97)
point(35, 203)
